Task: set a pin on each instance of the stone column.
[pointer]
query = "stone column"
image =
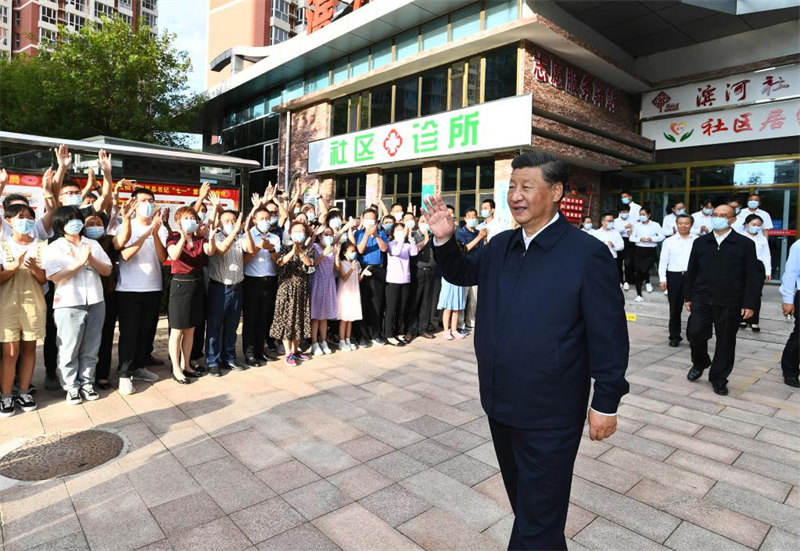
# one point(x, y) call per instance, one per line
point(432, 174)
point(373, 184)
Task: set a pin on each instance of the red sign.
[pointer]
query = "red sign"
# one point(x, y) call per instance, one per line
point(320, 13)
point(782, 233)
point(572, 207)
point(549, 69)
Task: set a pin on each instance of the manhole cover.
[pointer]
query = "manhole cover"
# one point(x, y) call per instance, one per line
point(62, 454)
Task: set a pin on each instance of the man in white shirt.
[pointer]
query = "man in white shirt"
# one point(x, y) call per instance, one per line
point(790, 283)
point(627, 199)
point(753, 207)
point(609, 235)
point(492, 224)
point(672, 272)
point(702, 218)
point(668, 226)
point(139, 289)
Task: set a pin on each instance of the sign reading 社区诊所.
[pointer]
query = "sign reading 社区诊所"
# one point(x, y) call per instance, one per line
point(500, 124)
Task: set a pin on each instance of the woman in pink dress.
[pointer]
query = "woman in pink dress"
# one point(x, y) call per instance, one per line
point(348, 297)
point(323, 292)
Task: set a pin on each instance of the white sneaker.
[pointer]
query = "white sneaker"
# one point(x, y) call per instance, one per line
point(325, 348)
point(648, 288)
point(316, 350)
point(126, 386)
point(626, 287)
point(666, 292)
point(89, 393)
point(353, 346)
point(74, 396)
point(638, 299)
point(144, 374)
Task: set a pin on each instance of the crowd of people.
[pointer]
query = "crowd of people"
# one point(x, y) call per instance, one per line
point(302, 279)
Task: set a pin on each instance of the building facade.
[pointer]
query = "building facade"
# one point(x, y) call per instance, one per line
point(408, 97)
point(26, 26)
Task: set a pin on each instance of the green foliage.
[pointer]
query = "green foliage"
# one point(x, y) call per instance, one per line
point(105, 79)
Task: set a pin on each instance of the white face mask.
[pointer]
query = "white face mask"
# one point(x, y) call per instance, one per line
point(145, 210)
point(298, 237)
point(228, 228)
point(397, 216)
point(327, 240)
point(411, 224)
point(368, 223)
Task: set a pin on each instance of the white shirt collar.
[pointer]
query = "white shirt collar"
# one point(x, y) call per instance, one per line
point(721, 238)
point(528, 240)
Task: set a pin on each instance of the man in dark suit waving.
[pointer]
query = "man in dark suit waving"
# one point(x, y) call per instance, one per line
point(550, 318)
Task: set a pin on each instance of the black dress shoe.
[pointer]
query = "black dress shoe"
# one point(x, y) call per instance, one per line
point(428, 335)
point(674, 344)
point(191, 374)
point(395, 342)
point(755, 328)
point(720, 388)
point(213, 370)
point(184, 381)
point(270, 355)
point(235, 366)
point(792, 381)
point(253, 361)
point(694, 374)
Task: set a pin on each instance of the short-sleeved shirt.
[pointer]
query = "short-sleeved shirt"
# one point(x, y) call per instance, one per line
point(261, 265)
point(39, 231)
point(227, 268)
point(142, 272)
point(192, 258)
point(372, 252)
point(85, 287)
point(465, 236)
point(425, 257)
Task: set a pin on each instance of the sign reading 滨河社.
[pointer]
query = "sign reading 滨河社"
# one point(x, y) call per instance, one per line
point(759, 86)
point(778, 119)
point(500, 124)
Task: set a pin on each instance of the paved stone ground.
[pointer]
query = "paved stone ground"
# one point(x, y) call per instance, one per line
point(389, 449)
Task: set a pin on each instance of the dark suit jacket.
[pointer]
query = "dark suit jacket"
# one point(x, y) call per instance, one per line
point(727, 275)
point(548, 319)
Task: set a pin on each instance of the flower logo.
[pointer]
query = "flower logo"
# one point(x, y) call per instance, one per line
point(677, 130)
point(393, 142)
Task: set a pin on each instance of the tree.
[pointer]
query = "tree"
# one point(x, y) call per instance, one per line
point(104, 79)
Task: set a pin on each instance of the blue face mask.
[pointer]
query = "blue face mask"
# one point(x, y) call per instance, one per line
point(273, 220)
point(189, 225)
point(753, 205)
point(387, 227)
point(626, 201)
point(228, 228)
point(72, 201)
point(23, 225)
point(351, 256)
point(335, 223)
point(262, 226)
point(719, 224)
point(680, 211)
point(95, 232)
point(737, 210)
point(311, 216)
point(708, 212)
point(588, 225)
point(202, 216)
point(485, 213)
point(73, 227)
point(472, 222)
point(643, 219)
point(146, 210)
point(327, 240)
point(624, 215)
point(755, 230)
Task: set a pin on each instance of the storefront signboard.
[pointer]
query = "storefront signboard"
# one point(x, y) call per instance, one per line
point(755, 122)
point(496, 125)
point(760, 86)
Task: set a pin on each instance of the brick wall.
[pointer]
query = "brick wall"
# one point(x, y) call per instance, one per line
point(308, 124)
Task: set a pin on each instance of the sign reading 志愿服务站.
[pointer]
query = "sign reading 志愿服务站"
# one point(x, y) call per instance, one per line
point(759, 86)
point(755, 122)
point(500, 124)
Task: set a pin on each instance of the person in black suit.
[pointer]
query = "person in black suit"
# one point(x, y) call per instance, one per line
point(723, 287)
point(550, 317)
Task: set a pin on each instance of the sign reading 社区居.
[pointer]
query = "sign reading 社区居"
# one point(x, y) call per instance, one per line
point(500, 124)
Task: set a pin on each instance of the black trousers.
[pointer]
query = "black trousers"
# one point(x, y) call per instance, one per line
point(790, 360)
point(757, 311)
point(50, 349)
point(625, 262)
point(725, 323)
point(259, 310)
point(396, 301)
point(419, 314)
point(138, 316)
point(107, 340)
point(643, 260)
point(675, 298)
point(373, 289)
point(537, 472)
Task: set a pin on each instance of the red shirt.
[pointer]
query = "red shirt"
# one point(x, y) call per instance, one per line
point(192, 258)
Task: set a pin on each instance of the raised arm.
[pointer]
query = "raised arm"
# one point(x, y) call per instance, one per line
point(104, 162)
point(458, 269)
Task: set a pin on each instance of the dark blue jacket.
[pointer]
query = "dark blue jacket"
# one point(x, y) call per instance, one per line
point(548, 319)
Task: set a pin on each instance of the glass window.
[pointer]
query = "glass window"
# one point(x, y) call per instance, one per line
point(340, 70)
point(406, 99)
point(258, 109)
point(500, 11)
point(352, 125)
point(271, 127)
point(487, 174)
point(363, 120)
point(381, 105)
point(316, 80)
point(656, 179)
point(359, 63)
point(402, 185)
point(468, 179)
point(294, 89)
point(501, 74)
point(339, 114)
point(382, 54)
point(388, 183)
point(416, 182)
point(273, 99)
point(434, 91)
point(466, 21)
point(449, 177)
point(473, 81)
point(434, 33)
point(457, 85)
point(407, 43)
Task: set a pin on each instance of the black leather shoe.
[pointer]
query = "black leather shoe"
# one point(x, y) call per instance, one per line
point(395, 342)
point(213, 370)
point(253, 362)
point(270, 355)
point(792, 381)
point(755, 328)
point(694, 374)
point(184, 381)
point(674, 344)
point(235, 366)
point(102, 385)
point(720, 388)
point(191, 374)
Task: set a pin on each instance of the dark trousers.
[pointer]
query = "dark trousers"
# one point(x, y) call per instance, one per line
point(675, 298)
point(625, 262)
point(396, 300)
point(643, 260)
point(259, 311)
point(790, 360)
point(537, 472)
point(725, 322)
point(757, 311)
point(372, 302)
point(50, 349)
point(420, 300)
point(107, 339)
point(138, 316)
point(224, 306)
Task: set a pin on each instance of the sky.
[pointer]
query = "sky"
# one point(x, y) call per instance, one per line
point(189, 20)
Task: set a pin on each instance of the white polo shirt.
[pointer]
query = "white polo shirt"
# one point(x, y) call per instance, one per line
point(261, 265)
point(85, 287)
point(142, 272)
